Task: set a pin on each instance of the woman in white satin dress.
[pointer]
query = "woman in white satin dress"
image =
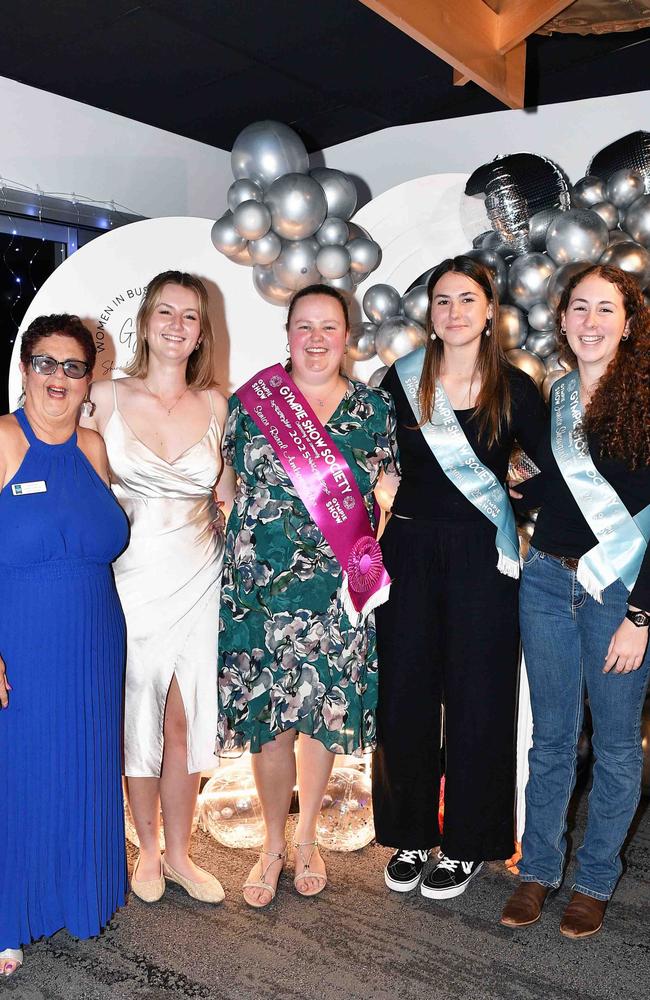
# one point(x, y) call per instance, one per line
point(162, 428)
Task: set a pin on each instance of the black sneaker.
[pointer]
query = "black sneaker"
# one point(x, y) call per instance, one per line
point(404, 869)
point(449, 878)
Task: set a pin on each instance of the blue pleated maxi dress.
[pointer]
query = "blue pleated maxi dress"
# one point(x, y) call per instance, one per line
point(62, 851)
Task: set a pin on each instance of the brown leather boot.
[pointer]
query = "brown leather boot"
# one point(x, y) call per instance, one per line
point(525, 905)
point(583, 916)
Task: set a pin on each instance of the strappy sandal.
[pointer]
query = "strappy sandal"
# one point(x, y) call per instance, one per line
point(261, 883)
point(11, 955)
point(307, 872)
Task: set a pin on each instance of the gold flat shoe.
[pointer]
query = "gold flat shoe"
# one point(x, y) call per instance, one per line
point(307, 872)
point(261, 883)
point(206, 892)
point(11, 956)
point(150, 891)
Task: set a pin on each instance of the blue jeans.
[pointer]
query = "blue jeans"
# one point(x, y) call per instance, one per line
point(565, 635)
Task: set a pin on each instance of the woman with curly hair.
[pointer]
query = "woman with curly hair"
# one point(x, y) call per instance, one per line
point(585, 597)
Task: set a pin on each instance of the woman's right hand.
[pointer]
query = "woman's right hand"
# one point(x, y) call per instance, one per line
point(5, 686)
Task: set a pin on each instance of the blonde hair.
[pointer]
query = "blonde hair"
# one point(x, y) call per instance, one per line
point(200, 364)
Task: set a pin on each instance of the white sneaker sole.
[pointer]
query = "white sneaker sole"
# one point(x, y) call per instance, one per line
point(456, 890)
point(401, 886)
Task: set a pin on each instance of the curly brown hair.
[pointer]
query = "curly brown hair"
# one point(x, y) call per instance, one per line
point(58, 323)
point(619, 410)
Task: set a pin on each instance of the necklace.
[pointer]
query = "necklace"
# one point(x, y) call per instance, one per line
point(164, 406)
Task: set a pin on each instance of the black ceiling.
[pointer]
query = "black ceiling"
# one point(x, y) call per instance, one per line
point(333, 69)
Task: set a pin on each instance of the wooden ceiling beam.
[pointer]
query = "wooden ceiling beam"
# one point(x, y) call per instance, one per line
point(517, 19)
point(465, 33)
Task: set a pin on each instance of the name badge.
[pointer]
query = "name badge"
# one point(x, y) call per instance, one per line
point(22, 489)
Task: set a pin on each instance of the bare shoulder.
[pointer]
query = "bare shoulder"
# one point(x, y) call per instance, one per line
point(220, 404)
point(9, 430)
point(92, 445)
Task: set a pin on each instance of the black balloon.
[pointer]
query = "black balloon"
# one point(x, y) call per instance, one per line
point(630, 152)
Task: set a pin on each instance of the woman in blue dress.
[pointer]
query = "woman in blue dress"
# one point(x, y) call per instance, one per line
point(62, 860)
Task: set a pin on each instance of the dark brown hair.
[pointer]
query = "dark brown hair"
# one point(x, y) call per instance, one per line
point(200, 364)
point(619, 410)
point(58, 323)
point(493, 408)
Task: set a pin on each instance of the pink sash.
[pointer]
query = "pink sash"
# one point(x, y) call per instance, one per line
point(324, 482)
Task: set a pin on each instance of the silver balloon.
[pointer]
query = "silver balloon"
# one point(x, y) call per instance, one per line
point(541, 343)
point(225, 237)
point(344, 284)
point(560, 280)
point(364, 255)
point(398, 336)
point(267, 249)
point(243, 190)
point(576, 235)
point(528, 363)
point(296, 266)
point(538, 227)
point(251, 219)
point(266, 150)
point(416, 304)
point(297, 205)
point(618, 236)
point(587, 192)
point(269, 287)
point(629, 257)
point(552, 361)
point(528, 279)
point(333, 261)
point(624, 187)
point(381, 302)
point(637, 220)
point(549, 381)
point(361, 341)
point(333, 232)
point(242, 256)
point(340, 191)
point(513, 328)
point(355, 231)
point(495, 265)
point(608, 213)
point(377, 376)
point(541, 318)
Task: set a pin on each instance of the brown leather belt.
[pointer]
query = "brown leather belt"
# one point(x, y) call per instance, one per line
point(567, 561)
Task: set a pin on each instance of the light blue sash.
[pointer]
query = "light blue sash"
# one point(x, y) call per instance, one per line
point(622, 539)
point(456, 458)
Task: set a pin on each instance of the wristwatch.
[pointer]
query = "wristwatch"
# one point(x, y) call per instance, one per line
point(638, 618)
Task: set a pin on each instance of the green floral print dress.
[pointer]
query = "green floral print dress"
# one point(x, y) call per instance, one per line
point(289, 657)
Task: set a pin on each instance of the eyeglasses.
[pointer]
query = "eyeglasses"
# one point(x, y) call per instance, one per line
point(43, 364)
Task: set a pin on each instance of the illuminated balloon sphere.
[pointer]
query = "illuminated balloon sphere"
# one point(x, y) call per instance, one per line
point(364, 255)
point(333, 232)
point(624, 187)
point(297, 205)
point(398, 336)
point(541, 317)
point(608, 213)
point(243, 190)
point(541, 343)
point(225, 237)
point(637, 220)
point(132, 834)
point(416, 304)
point(377, 376)
point(629, 257)
point(251, 219)
point(549, 381)
point(229, 808)
point(269, 287)
point(361, 341)
point(265, 151)
point(577, 235)
point(560, 280)
point(381, 302)
point(340, 191)
point(528, 279)
point(495, 265)
point(266, 249)
point(513, 328)
point(333, 261)
point(528, 363)
point(345, 820)
point(588, 191)
point(296, 266)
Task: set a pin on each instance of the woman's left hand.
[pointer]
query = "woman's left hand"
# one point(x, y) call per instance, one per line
point(627, 648)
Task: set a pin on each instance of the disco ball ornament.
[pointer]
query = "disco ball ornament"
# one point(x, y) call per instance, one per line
point(398, 336)
point(577, 235)
point(629, 257)
point(637, 221)
point(528, 279)
point(587, 192)
point(528, 363)
point(132, 834)
point(229, 808)
point(375, 379)
point(513, 328)
point(345, 820)
point(361, 341)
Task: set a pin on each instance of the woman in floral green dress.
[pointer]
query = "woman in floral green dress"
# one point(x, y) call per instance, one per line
point(291, 663)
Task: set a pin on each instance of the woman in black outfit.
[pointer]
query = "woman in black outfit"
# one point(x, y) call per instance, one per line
point(449, 634)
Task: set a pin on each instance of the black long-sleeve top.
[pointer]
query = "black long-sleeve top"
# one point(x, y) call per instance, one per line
point(425, 491)
point(561, 528)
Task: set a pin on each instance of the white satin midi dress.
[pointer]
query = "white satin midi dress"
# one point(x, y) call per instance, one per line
point(168, 580)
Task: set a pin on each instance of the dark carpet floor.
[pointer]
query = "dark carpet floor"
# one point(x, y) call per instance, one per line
point(357, 941)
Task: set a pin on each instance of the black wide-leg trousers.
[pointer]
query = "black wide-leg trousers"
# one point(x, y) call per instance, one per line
point(449, 635)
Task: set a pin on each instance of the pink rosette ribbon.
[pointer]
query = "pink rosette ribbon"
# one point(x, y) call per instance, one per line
point(365, 564)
